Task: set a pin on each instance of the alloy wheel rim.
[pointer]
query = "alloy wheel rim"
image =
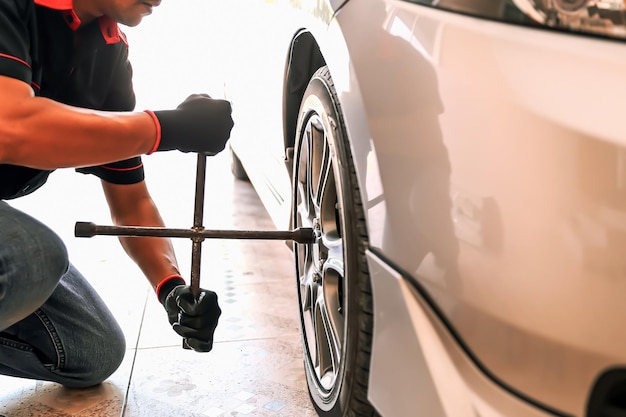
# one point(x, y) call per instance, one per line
point(320, 265)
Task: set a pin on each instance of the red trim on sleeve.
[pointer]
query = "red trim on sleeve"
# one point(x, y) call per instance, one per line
point(158, 129)
point(164, 280)
point(121, 169)
point(16, 59)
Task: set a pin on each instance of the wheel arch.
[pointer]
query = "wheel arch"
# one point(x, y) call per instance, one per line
point(307, 53)
point(304, 58)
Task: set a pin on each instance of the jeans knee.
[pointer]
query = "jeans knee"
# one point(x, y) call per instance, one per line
point(55, 257)
point(48, 251)
point(33, 251)
point(114, 355)
point(104, 361)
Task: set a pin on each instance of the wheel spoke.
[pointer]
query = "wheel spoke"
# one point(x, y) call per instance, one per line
point(334, 313)
point(318, 159)
point(328, 346)
point(304, 207)
point(307, 279)
point(333, 276)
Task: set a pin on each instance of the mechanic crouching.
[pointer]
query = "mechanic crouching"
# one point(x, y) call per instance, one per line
point(67, 100)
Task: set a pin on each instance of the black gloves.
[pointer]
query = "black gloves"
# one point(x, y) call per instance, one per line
point(195, 320)
point(199, 124)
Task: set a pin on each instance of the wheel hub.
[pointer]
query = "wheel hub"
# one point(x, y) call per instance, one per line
point(316, 247)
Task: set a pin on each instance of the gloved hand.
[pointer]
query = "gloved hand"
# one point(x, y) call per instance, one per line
point(195, 320)
point(199, 124)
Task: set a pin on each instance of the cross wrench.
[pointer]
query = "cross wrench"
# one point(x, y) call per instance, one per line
point(197, 233)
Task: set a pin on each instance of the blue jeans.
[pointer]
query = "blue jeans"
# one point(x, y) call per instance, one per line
point(53, 324)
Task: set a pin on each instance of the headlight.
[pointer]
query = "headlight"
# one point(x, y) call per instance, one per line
point(601, 17)
point(570, 6)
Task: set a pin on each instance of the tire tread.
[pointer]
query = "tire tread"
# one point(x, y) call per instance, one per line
point(359, 404)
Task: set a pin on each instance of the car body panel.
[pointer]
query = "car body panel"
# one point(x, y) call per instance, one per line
point(491, 161)
point(529, 166)
point(454, 386)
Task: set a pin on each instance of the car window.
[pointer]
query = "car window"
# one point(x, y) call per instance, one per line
point(606, 18)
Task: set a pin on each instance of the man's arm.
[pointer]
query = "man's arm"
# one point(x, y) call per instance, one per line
point(40, 133)
point(44, 134)
point(132, 205)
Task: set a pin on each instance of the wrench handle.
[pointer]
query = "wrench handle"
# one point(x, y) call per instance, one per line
point(198, 215)
point(89, 229)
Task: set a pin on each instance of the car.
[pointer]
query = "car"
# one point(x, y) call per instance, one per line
point(463, 167)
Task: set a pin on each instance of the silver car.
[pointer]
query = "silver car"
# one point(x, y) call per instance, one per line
point(463, 165)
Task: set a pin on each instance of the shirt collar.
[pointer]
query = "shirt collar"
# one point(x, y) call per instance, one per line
point(109, 28)
point(56, 4)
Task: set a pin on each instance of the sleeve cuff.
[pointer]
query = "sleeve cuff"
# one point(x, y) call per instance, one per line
point(157, 124)
point(166, 285)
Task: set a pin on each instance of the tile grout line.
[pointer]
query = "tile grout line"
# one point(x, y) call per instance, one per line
point(251, 339)
point(132, 366)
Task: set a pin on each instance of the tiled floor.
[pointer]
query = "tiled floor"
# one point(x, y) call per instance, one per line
point(255, 368)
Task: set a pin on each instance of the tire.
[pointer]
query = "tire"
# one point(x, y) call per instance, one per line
point(236, 167)
point(334, 289)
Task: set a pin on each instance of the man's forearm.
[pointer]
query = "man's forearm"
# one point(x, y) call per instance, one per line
point(131, 205)
point(89, 137)
point(154, 256)
point(44, 134)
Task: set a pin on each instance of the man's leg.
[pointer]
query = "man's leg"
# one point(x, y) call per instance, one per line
point(72, 338)
point(32, 261)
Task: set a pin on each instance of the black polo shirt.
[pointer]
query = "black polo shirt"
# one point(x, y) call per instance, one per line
point(41, 44)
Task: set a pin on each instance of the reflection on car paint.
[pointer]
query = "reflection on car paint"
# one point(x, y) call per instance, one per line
point(596, 17)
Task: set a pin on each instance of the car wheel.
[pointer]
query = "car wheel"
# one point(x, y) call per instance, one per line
point(236, 167)
point(334, 288)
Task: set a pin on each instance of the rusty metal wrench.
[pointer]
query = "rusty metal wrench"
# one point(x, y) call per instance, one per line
point(197, 233)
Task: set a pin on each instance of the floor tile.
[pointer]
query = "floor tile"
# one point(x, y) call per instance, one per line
point(254, 377)
point(25, 398)
point(255, 302)
point(48, 399)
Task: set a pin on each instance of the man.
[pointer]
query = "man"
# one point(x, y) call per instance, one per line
point(66, 100)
